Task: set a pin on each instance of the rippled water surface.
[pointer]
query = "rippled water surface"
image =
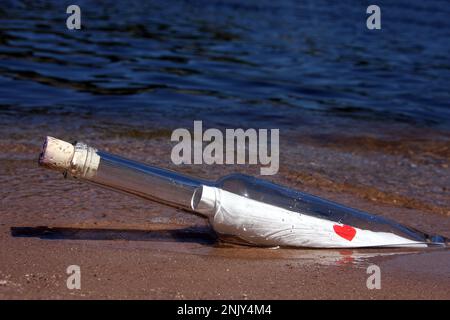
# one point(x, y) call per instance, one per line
point(249, 63)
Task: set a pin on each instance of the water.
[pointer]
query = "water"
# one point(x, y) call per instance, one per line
point(286, 64)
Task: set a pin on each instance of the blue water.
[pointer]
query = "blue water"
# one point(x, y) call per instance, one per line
point(228, 63)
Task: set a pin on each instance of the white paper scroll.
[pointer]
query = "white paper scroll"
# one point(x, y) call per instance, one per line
point(262, 224)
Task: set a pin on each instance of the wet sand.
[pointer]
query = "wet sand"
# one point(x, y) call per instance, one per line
point(130, 248)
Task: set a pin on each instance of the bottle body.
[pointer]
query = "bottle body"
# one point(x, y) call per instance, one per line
point(331, 224)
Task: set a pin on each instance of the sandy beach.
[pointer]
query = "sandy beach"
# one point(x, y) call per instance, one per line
point(130, 248)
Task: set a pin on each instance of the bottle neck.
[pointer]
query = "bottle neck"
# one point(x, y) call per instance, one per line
point(149, 182)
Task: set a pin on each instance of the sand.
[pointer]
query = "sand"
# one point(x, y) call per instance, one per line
point(129, 248)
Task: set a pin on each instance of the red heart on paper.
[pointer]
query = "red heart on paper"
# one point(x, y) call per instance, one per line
point(345, 232)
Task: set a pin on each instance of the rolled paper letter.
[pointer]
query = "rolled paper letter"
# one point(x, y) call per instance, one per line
point(263, 224)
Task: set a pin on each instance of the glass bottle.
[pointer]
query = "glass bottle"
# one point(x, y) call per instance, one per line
point(240, 208)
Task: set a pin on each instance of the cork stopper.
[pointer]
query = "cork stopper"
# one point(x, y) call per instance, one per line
point(56, 154)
